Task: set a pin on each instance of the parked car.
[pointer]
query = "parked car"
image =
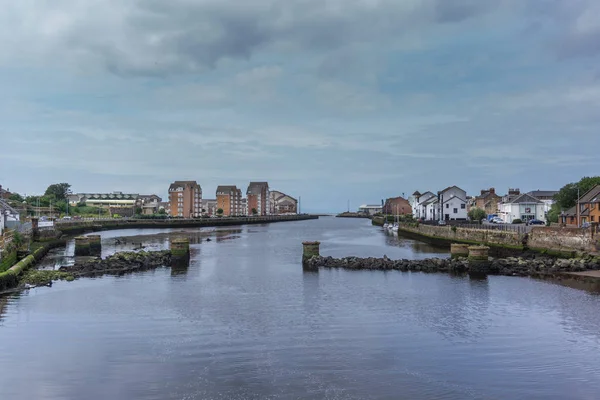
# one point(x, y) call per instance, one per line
point(585, 225)
point(497, 220)
point(535, 222)
point(441, 222)
point(66, 217)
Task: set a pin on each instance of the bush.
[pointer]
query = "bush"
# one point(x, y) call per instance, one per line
point(517, 221)
point(476, 214)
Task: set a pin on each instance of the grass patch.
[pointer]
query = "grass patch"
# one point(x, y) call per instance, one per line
point(45, 277)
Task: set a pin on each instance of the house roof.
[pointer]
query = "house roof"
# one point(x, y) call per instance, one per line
point(4, 206)
point(525, 198)
point(416, 193)
point(257, 187)
point(430, 201)
point(542, 193)
point(454, 197)
point(591, 196)
point(451, 187)
point(571, 211)
point(226, 188)
point(177, 184)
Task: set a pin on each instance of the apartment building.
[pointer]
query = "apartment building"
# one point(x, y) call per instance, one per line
point(258, 198)
point(185, 199)
point(281, 203)
point(229, 199)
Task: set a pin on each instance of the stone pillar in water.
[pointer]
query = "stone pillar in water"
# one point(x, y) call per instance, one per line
point(82, 246)
point(458, 250)
point(95, 245)
point(180, 248)
point(479, 261)
point(35, 228)
point(310, 249)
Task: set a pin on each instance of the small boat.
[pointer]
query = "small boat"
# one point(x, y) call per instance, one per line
point(386, 225)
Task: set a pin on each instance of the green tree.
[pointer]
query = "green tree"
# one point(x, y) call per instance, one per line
point(254, 211)
point(476, 214)
point(138, 210)
point(567, 195)
point(162, 211)
point(220, 211)
point(16, 197)
point(59, 190)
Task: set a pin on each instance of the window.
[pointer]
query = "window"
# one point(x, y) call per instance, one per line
point(456, 211)
point(462, 206)
point(447, 205)
point(592, 218)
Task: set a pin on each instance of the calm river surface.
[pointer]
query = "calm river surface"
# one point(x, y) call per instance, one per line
point(245, 322)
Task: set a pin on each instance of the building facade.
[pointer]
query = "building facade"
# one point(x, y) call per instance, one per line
point(587, 210)
point(397, 206)
point(229, 199)
point(488, 201)
point(452, 204)
point(547, 196)
point(185, 199)
point(370, 209)
point(524, 207)
point(281, 203)
point(258, 198)
point(418, 204)
point(209, 207)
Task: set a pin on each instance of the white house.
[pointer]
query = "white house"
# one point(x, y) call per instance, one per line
point(9, 215)
point(2, 219)
point(453, 203)
point(370, 209)
point(417, 202)
point(430, 209)
point(524, 207)
point(547, 196)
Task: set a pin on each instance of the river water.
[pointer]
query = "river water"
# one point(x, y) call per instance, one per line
point(245, 322)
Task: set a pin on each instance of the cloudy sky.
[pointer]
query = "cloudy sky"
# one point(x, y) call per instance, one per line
point(330, 100)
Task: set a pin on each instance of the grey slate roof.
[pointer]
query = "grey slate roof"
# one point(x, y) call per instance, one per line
point(592, 196)
point(542, 193)
point(525, 198)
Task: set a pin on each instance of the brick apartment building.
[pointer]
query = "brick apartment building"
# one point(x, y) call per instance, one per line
point(185, 199)
point(258, 198)
point(229, 199)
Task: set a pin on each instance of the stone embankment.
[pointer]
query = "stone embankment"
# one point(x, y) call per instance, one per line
point(119, 263)
point(511, 266)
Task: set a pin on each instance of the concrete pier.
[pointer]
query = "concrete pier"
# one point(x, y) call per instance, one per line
point(310, 249)
point(180, 248)
point(82, 246)
point(458, 250)
point(479, 261)
point(95, 243)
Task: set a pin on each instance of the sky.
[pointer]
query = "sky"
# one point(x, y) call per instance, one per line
point(333, 101)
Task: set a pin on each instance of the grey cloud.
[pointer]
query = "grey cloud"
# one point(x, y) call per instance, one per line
point(154, 37)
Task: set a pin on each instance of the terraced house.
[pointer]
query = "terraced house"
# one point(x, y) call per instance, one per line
point(229, 199)
point(185, 199)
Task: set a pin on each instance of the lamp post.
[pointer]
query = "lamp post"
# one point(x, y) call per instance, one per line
point(577, 206)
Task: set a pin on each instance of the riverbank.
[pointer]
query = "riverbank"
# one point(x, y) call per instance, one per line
point(559, 242)
point(77, 227)
point(352, 215)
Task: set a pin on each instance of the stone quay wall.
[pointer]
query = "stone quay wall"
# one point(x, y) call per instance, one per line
point(564, 239)
point(453, 234)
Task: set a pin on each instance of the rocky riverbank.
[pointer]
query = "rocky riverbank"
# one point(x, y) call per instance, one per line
point(512, 266)
point(119, 263)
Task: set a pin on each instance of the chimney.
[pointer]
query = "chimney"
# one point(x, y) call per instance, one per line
point(483, 192)
point(493, 190)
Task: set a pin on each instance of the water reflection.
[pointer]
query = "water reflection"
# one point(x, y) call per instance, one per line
point(244, 321)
